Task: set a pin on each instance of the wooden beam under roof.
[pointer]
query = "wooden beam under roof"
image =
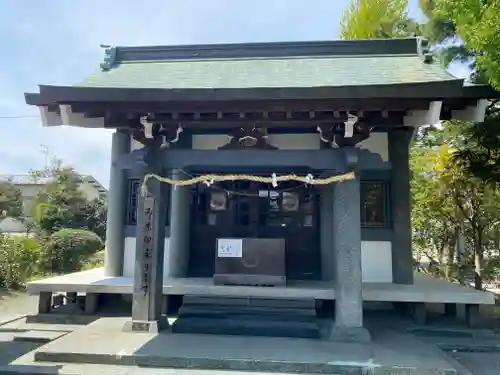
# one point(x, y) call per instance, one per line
point(219, 120)
point(253, 106)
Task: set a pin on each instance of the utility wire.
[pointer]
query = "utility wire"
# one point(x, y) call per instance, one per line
point(17, 117)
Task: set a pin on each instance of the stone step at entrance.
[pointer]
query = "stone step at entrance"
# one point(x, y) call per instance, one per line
point(251, 301)
point(248, 317)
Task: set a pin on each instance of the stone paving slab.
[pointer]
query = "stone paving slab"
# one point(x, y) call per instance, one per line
point(479, 363)
point(4, 320)
point(103, 342)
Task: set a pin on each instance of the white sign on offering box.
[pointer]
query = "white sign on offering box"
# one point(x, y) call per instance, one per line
point(230, 248)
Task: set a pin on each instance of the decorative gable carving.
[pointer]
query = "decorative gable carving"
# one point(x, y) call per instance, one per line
point(248, 138)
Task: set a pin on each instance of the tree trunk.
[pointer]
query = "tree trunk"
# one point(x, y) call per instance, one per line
point(462, 258)
point(478, 259)
point(450, 255)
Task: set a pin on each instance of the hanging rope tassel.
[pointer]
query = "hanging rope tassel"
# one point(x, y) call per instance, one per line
point(274, 180)
point(309, 179)
point(144, 187)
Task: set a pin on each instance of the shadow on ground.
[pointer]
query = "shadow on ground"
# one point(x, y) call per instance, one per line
point(30, 369)
point(11, 350)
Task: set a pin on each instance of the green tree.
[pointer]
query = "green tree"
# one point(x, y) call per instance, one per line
point(96, 216)
point(467, 32)
point(372, 19)
point(11, 203)
point(448, 203)
point(62, 204)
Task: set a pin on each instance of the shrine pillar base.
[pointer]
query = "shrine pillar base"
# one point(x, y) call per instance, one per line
point(146, 326)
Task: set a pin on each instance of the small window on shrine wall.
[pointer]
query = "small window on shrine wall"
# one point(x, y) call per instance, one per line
point(133, 199)
point(374, 205)
point(133, 196)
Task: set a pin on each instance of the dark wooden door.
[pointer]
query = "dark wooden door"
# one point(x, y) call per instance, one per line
point(254, 210)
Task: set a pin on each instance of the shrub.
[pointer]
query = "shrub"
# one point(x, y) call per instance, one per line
point(68, 249)
point(95, 261)
point(19, 256)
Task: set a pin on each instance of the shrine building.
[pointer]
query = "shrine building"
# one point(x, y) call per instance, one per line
point(285, 171)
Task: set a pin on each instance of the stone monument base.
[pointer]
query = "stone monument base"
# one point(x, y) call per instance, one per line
point(349, 334)
point(145, 326)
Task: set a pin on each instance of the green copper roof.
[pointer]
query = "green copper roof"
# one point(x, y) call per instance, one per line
point(268, 65)
point(286, 72)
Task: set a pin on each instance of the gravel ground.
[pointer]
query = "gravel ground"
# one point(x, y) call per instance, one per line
point(13, 304)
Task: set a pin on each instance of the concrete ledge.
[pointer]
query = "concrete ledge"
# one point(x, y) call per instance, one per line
point(247, 365)
point(470, 348)
point(24, 325)
point(38, 336)
point(452, 333)
point(425, 289)
point(61, 319)
point(204, 363)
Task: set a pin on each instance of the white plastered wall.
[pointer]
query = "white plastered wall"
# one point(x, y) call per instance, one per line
point(378, 143)
point(129, 257)
point(376, 261)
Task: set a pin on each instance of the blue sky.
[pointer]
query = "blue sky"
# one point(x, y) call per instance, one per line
point(57, 42)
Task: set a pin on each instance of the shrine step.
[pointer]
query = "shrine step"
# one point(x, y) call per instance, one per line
point(276, 303)
point(247, 313)
point(247, 327)
point(249, 317)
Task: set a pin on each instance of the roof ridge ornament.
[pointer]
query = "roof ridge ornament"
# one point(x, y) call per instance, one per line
point(109, 57)
point(424, 51)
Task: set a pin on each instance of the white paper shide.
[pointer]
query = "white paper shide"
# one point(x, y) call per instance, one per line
point(230, 248)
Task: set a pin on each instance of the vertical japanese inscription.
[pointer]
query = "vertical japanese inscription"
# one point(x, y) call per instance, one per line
point(148, 213)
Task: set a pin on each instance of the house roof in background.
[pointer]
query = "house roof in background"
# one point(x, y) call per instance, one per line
point(26, 179)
